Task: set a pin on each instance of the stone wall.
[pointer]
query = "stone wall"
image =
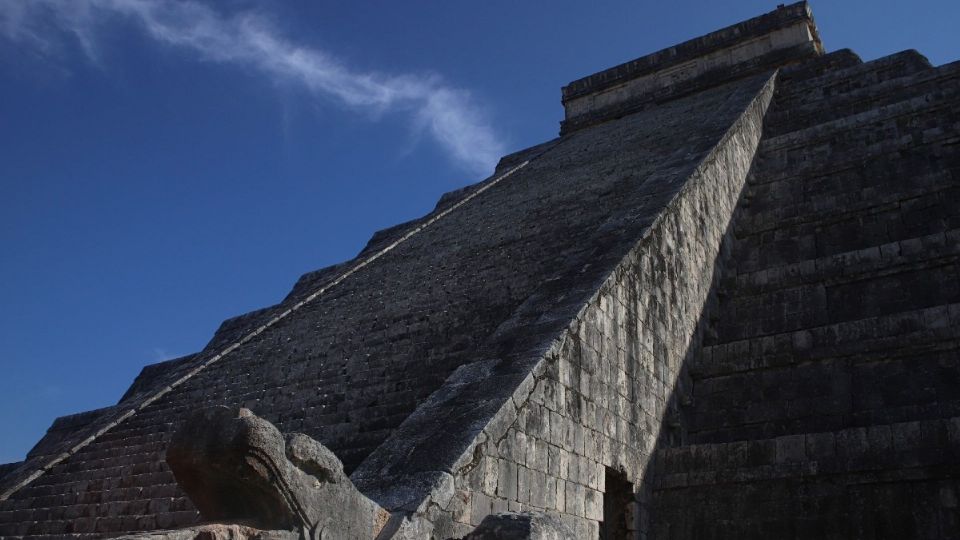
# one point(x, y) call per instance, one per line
point(763, 43)
point(608, 316)
point(598, 398)
point(368, 357)
point(825, 402)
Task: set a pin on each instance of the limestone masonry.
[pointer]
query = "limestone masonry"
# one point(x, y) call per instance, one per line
point(724, 303)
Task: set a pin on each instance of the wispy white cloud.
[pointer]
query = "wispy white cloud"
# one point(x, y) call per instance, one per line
point(448, 114)
point(158, 354)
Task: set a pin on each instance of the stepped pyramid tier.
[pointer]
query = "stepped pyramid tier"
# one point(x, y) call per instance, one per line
point(825, 402)
point(723, 303)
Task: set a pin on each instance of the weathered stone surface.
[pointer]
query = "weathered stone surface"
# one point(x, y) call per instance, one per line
point(514, 412)
point(237, 467)
point(826, 400)
point(214, 531)
point(7, 468)
point(783, 36)
point(521, 526)
point(620, 316)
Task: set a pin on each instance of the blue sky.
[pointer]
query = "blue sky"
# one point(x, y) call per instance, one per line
point(167, 165)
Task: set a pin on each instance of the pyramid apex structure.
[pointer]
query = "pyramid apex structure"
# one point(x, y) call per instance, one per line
point(781, 37)
point(723, 303)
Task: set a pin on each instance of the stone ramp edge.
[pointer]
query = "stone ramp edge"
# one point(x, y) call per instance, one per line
point(414, 492)
point(32, 469)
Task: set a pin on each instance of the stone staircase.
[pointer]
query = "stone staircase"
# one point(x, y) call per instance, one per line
point(826, 400)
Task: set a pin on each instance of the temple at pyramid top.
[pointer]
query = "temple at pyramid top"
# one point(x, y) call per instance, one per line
point(724, 303)
point(780, 37)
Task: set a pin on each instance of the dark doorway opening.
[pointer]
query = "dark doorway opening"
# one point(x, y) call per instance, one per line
point(617, 507)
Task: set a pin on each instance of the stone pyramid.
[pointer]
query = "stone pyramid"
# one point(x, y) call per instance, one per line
point(724, 303)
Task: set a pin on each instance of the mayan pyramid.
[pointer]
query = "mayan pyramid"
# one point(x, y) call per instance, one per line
point(723, 303)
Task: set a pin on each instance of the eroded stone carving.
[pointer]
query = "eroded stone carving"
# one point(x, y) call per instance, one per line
point(213, 531)
point(238, 468)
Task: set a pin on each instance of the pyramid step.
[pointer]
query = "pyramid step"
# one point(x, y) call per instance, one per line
point(800, 85)
point(881, 447)
point(910, 254)
point(919, 119)
point(898, 480)
point(819, 66)
point(901, 166)
point(139, 459)
point(797, 240)
point(828, 394)
point(785, 119)
point(882, 290)
point(929, 153)
point(850, 96)
point(921, 205)
point(910, 332)
point(830, 198)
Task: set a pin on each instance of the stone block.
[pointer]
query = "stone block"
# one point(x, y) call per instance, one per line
point(521, 526)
